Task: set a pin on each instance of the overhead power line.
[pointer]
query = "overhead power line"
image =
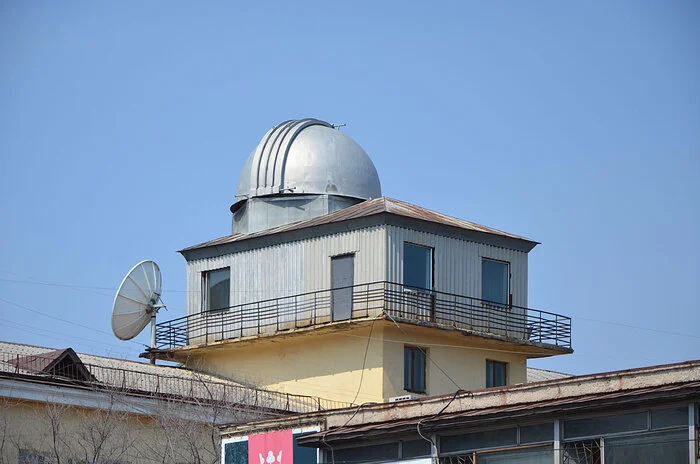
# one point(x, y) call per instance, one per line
point(424, 352)
point(17, 305)
point(114, 289)
point(630, 326)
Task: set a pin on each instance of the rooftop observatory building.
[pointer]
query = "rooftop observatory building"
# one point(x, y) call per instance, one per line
point(326, 288)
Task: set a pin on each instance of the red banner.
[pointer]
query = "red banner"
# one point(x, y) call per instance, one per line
point(271, 448)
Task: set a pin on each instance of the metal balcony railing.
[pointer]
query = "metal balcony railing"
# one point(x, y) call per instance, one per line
point(185, 385)
point(418, 306)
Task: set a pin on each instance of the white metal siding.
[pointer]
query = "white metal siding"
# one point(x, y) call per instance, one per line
point(457, 263)
point(302, 266)
point(291, 268)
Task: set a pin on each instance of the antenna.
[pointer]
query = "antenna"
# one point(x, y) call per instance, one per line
point(137, 302)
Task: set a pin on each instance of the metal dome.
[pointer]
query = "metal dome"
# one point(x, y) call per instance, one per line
point(308, 156)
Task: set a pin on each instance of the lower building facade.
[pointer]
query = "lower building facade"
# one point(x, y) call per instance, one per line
point(646, 415)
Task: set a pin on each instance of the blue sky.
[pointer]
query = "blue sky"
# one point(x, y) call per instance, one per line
point(123, 128)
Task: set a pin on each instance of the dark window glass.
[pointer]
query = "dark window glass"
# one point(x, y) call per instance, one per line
point(665, 418)
point(536, 433)
point(304, 454)
point(479, 440)
point(598, 426)
point(413, 369)
point(33, 457)
point(236, 452)
point(528, 456)
point(666, 447)
point(415, 449)
point(217, 286)
point(495, 374)
point(494, 281)
point(367, 453)
point(417, 267)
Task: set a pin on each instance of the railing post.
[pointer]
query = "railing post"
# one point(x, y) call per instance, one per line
point(454, 311)
point(540, 327)
point(367, 299)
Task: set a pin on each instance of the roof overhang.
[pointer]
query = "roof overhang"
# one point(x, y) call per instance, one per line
point(366, 214)
point(653, 385)
point(539, 411)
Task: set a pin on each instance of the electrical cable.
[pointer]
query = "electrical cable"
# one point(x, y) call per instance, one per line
point(424, 352)
point(574, 318)
point(328, 432)
point(62, 320)
point(47, 333)
point(364, 361)
point(429, 440)
point(667, 332)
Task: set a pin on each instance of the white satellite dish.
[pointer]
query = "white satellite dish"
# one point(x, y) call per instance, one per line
point(137, 302)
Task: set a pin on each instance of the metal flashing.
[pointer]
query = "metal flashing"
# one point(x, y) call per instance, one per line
point(374, 207)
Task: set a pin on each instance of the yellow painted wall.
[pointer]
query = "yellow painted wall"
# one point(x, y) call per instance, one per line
point(463, 360)
point(128, 438)
point(316, 363)
point(328, 362)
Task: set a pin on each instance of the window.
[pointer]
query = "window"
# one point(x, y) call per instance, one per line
point(500, 438)
point(414, 369)
point(495, 374)
point(596, 426)
point(216, 286)
point(33, 457)
point(494, 281)
point(417, 267)
point(667, 446)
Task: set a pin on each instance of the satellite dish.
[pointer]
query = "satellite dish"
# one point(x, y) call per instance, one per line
point(137, 301)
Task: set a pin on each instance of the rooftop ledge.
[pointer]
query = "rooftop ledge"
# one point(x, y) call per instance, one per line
point(546, 333)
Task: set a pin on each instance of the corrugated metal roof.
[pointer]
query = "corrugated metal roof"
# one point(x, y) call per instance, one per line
point(668, 393)
point(36, 354)
point(133, 376)
point(542, 375)
point(59, 362)
point(367, 208)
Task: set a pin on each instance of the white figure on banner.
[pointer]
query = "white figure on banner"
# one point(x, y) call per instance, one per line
point(271, 458)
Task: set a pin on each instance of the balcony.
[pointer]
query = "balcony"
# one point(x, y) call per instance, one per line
point(395, 301)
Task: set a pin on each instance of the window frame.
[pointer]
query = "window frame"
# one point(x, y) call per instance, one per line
point(431, 284)
point(206, 290)
point(411, 385)
point(493, 378)
point(509, 289)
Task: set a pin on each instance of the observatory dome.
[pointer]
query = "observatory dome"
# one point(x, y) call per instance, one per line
point(308, 156)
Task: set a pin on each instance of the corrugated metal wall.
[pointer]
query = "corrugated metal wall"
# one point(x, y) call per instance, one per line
point(291, 268)
point(457, 262)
